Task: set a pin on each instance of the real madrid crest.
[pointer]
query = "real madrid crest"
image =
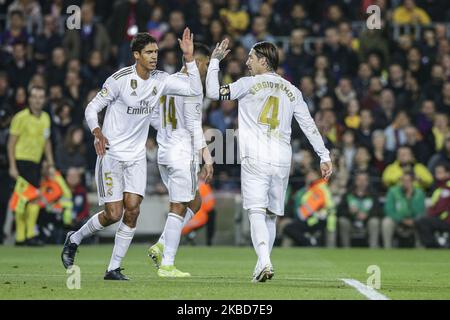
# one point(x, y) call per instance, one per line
point(133, 84)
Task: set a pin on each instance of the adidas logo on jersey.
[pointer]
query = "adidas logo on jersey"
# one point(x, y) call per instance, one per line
point(133, 93)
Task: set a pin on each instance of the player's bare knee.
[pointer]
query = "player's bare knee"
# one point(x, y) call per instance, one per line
point(112, 214)
point(178, 208)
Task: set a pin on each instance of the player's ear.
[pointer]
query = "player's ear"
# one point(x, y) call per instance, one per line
point(136, 55)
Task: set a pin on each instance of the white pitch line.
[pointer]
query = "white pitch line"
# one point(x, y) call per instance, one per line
point(367, 291)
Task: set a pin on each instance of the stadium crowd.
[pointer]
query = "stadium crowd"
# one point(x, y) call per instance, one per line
point(380, 98)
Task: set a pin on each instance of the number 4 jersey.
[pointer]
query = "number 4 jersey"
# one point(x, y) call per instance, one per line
point(267, 104)
point(180, 134)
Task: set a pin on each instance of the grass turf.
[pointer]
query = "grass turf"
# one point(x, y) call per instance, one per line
point(225, 273)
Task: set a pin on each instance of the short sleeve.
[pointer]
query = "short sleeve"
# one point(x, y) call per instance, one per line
point(16, 125)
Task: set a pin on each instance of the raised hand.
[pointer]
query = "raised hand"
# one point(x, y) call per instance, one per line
point(187, 45)
point(221, 50)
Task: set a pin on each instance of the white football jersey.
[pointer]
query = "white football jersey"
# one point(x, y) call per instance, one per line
point(180, 134)
point(267, 104)
point(130, 101)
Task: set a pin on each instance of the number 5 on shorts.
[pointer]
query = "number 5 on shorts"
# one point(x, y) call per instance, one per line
point(271, 106)
point(109, 183)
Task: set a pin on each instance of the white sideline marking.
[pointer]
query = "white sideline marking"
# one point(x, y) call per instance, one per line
point(367, 291)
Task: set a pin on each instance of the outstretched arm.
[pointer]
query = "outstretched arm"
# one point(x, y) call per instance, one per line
point(213, 89)
point(192, 85)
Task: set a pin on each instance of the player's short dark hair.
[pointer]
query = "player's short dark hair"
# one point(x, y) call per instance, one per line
point(201, 48)
point(269, 51)
point(16, 12)
point(140, 40)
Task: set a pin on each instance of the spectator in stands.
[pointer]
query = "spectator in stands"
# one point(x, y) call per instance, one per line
point(61, 121)
point(56, 70)
point(371, 100)
point(381, 157)
point(442, 157)
point(420, 149)
point(156, 25)
point(216, 32)
point(16, 32)
point(298, 19)
point(258, 33)
point(373, 40)
point(323, 77)
point(359, 212)
point(234, 18)
point(75, 92)
point(308, 91)
point(20, 99)
point(78, 43)
point(80, 200)
point(314, 213)
point(344, 93)
point(5, 90)
point(20, 69)
point(361, 82)
point(395, 132)
point(94, 73)
point(341, 59)
point(46, 41)
point(424, 118)
point(6, 181)
point(362, 163)
point(71, 153)
point(397, 84)
point(438, 215)
point(177, 23)
point(433, 88)
point(409, 13)
point(352, 118)
point(298, 61)
point(200, 25)
point(443, 102)
point(365, 128)
point(440, 130)
point(404, 204)
point(32, 13)
point(406, 163)
point(348, 148)
point(224, 117)
point(128, 18)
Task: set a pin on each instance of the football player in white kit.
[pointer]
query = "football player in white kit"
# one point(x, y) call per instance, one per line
point(267, 104)
point(181, 143)
point(130, 95)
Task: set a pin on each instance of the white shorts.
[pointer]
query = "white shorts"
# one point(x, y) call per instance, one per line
point(180, 180)
point(263, 186)
point(115, 177)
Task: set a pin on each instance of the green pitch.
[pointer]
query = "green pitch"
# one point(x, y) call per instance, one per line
point(225, 273)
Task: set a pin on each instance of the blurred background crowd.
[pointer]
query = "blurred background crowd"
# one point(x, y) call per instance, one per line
point(380, 98)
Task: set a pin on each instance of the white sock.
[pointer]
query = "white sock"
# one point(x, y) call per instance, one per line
point(172, 235)
point(271, 222)
point(88, 229)
point(260, 236)
point(124, 235)
point(188, 216)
